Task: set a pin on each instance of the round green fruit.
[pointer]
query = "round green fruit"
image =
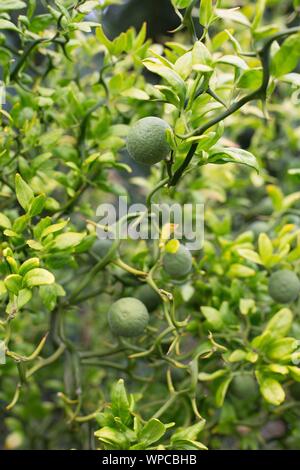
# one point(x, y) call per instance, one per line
point(128, 317)
point(284, 286)
point(244, 387)
point(147, 141)
point(178, 264)
point(148, 296)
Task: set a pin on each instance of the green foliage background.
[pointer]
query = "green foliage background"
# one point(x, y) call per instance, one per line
point(218, 364)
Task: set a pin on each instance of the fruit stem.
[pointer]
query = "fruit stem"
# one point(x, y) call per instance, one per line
point(129, 269)
point(154, 190)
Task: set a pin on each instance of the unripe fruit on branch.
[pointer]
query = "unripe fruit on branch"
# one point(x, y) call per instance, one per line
point(177, 263)
point(128, 317)
point(284, 286)
point(147, 141)
point(148, 296)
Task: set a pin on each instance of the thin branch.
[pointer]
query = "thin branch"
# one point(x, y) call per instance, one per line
point(260, 93)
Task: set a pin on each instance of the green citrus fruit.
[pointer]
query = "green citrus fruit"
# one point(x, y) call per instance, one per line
point(147, 141)
point(244, 387)
point(284, 286)
point(148, 296)
point(128, 317)
point(178, 264)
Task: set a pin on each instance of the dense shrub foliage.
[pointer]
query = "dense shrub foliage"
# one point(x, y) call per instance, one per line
point(217, 364)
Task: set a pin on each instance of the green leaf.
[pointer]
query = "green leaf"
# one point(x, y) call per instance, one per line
point(222, 390)
point(277, 369)
point(102, 38)
point(88, 6)
point(49, 294)
point(37, 205)
point(11, 233)
point(205, 12)
point(250, 255)
point(12, 5)
point(151, 432)
point(13, 283)
point(232, 14)
point(114, 439)
point(296, 4)
point(260, 8)
point(276, 328)
point(265, 248)
point(252, 357)
point(181, 3)
point(24, 297)
point(281, 348)
point(4, 221)
point(35, 245)
point(21, 223)
point(271, 390)
point(183, 65)
point(120, 403)
point(68, 240)
point(29, 264)
point(240, 270)
point(213, 317)
point(276, 196)
point(287, 57)
point(188, 445)
point(5, 24)
point(177, 83)
point(135, 93)
point(189, 432)
point(237, 356)
point(38, 277)
point(250, 79)
point(280, 324)
point(3, 289)
point(53, 228)
point(23, 192)
point(201, 58)
point(233, 60)
point(295, 373)
point(262, 341)
point(232, 155)
point(247, 306)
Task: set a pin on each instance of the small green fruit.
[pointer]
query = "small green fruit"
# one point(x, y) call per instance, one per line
point(128, 317)
point(148, 296)
point(244, 387)
point(147, 141)
point(284, 286)
point(178, 264)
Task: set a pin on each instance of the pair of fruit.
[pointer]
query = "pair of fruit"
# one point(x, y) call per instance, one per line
point(129, 316)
